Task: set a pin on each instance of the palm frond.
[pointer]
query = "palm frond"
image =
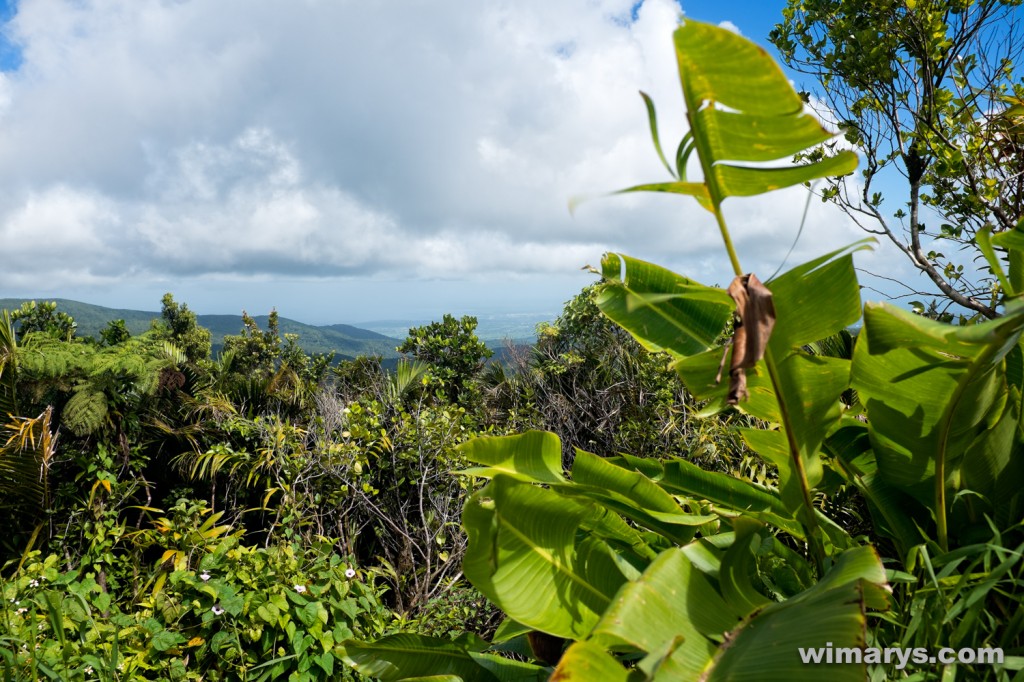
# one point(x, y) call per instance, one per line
point(25, 456)
point(8, 354)
point(407, 373)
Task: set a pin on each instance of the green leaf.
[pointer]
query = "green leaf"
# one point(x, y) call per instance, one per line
point(830, 614)
point(404, 656)
point(522, 555)
point(694, 189)
point(936, 394)
point(633, 495)
point(326, 663)
point(589, 662)
point(739, 566)
point(662, 310)
point(531, 456)
point(743, 110)
point(652, 120)
point(743, 181)
point(817, 299)
point(889, 506)
point(166, 639)
point(86, 410)
point(680, 476)
point(669, 602)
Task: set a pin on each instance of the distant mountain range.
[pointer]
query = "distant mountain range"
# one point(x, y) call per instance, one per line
point(346, 341)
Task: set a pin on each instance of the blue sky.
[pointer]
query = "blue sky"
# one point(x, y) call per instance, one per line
point(351, 161)
point(10, 54)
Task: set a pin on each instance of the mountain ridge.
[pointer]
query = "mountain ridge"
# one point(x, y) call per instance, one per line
point(346, 341)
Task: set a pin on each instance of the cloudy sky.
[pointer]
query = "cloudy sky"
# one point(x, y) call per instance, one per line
point(348, 160)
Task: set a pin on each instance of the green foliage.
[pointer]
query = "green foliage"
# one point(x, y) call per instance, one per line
point(928, 89)
point(393, 465)
point(628, 563)
point(255, 351)
point(115, 332)
point(43, 317)
point(179, 326)
point(241, 613)
point(587, 380)
point(451, 349)
point(98, 381)
point(660, 571)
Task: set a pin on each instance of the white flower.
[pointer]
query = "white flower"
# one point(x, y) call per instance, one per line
point(217, 610)
point(34, 583)
point(300, 588)
point(350, 573)
point(204, 576)
point(88, 670)
point(22, 610)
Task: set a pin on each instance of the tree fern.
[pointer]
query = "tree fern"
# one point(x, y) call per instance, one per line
point(86, 410)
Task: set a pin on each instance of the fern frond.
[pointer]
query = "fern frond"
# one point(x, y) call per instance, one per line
point(86, 411)
point(44, 355)
point(174, 354)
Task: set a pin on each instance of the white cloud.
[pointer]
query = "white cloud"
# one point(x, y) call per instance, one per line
point(154, 142)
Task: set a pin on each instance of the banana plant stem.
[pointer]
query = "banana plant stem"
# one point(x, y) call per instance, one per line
point(728, 242)
point(814, 539)
point(810, 523)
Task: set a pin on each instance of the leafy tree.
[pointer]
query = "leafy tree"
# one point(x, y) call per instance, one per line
point(927, 90)
point(115, 332)
point(43, 317)
point(256, 351)
point(266, 368)
point(587, 380)
point(452, 350)
point(178, 325)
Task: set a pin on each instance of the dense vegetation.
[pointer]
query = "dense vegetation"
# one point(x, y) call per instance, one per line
point(676, 482)
point(177, 515)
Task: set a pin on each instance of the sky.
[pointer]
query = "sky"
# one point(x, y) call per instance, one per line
point(346, 161)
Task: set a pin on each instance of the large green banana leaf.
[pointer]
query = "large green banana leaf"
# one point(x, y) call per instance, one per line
point(795, 391)
point(550, 557)
point(942, 413)
point(407, 656)
point(686, 631)
point(746, 121)
point(525, 555)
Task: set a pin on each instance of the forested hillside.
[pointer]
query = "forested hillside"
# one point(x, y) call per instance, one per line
point(345, 341)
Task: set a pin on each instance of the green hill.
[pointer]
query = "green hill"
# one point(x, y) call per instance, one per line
point(344, 340)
